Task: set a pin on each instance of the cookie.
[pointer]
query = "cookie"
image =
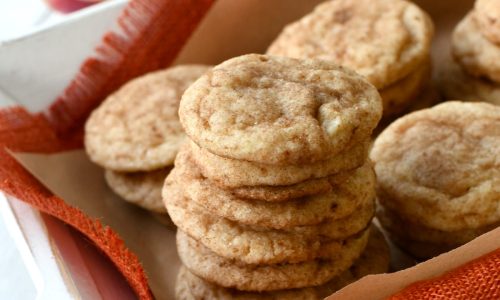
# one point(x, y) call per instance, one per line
point(140, 188)
point(373, 260)
point(257, 245)
point(487, 16)
point(398, 225)
point(339, 202)
point(137, 127)
point(232, 274)
point(279, 111)
point(399, 95)
point(454, 83)
point(477, 55)
point(233, 173)
point(384, 43)
point(440, 167)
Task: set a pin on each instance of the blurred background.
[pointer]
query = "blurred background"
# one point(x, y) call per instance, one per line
point(18, 17)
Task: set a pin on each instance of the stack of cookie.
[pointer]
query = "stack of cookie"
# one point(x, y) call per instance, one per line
point(438, 174)
point(274, 191)
point(135, 134)
point(387, 41)
point(475, 74)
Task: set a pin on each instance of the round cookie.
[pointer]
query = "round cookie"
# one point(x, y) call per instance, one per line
point(140, 188)
point(440, 167)
point(384, 43)
point(487, 16)
point(137, 127)
point(399, 95)
point(373, 260)
point(398, 225)
point(341, 201)
point(454, 83)
point(233, 274)
point(233, 173)
point(477, 55)
point(257, 245)
point(279, 111)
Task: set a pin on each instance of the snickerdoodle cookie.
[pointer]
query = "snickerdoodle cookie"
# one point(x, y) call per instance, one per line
point(234, 274)
point(487, 16)
point(397, 96)
point(455, 83)
point(342, 200)
point(137, 127)
point(257, 245)
point(140, 188)
point(421, 241)
point(232, 173)
point(279, 111)
point(383, 40)
point(373, 260)
point(475, 53)
point(440, 167)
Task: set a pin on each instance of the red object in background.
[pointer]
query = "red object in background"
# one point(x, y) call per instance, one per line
point(67, 6)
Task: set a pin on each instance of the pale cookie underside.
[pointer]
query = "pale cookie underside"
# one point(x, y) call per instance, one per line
point(233, 173)
point(342, 200)
point(383, 43)
point(477, 55)
point(140, 188)
point(440, 167)
point(279, 111)
point(137, 127)
point(255, 245)
point(373, 260)
point(231, 274)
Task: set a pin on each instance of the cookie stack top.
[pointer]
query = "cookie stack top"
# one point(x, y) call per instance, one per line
point(279, 111)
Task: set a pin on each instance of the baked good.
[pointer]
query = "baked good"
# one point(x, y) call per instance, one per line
point(137, 127)
point(234, 274)
point(140, 188)
point(487, 16)
point(440, 167)
point(455, 83)
point(476, 54)
point(232, 173)
point(260, 245)
point(279, 111)
point(384, 43)
point(343, 199)
point(373, 260)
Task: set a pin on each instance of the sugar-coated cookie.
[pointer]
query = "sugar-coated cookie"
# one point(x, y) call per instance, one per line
point(487, 16)
point(233, 274)
point(373, 260)
point(440, 167)
point(279, 111)
point(383, 40)
point(137, 127)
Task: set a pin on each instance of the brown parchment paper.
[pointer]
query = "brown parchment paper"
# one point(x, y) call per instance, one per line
point(233, 28)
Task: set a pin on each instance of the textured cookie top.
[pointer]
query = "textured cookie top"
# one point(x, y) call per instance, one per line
point(476, 54)
point(440, 167)
point(275, 110)
point(487, 15)
point(382, 40)
point(137, 128)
